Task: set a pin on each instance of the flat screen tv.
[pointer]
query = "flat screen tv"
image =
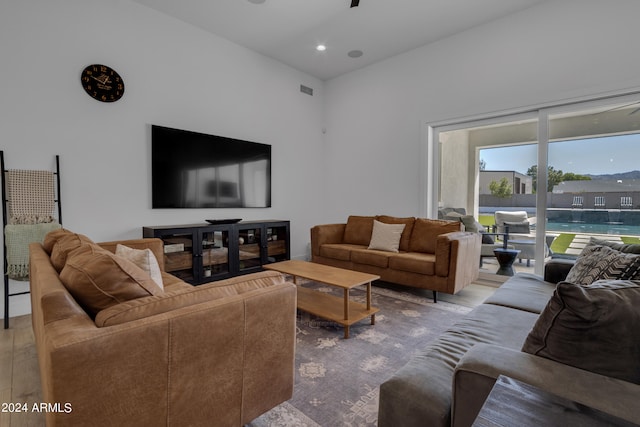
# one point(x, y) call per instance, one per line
point(196, 170)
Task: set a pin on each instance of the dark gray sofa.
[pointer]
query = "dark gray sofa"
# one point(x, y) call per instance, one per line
point(450, 380)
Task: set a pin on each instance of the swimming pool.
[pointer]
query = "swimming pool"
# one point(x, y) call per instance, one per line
point(600, 221)
point(618, 229)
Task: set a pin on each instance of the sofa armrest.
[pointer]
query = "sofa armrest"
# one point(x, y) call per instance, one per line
point(477, 371)
point(457, 255)
point(556, 270)
point(325, 233)
point(156, 245)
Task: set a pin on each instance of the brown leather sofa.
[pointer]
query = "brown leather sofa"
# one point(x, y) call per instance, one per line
point(432, 254)
point(217, 355)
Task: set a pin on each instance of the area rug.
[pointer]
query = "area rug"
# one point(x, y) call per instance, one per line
point(337, 380)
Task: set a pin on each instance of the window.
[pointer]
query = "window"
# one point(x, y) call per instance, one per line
point(585, 185)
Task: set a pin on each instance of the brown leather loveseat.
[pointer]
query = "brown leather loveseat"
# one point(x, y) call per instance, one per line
point(430, 254)
point(114, 350)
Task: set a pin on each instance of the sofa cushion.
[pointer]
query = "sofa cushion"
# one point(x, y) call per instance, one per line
point(98, 279)
point(358, 230)
point(339, 251)
point(64, 245)
point(371, 257)
point(140, 308)
point(386, 237)
point(602, 262)
point(406, 233)
point(414, 262)
point(426, 231)
point(523, 291)
point(596, 328)
point(52, 237)
point(143, 258)
point(627, 248)
point(421, 390)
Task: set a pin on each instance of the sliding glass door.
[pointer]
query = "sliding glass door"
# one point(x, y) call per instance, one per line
point(569, 171)
point(595, 191)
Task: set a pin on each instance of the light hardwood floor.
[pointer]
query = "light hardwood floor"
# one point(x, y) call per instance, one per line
point(20, 376)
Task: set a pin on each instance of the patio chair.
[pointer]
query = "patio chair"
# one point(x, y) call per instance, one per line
point(578, 202)
point(518, 222)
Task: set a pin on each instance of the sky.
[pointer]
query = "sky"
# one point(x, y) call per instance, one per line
point(594, 156)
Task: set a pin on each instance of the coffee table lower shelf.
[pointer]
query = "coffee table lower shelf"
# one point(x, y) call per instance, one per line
point(334, 308)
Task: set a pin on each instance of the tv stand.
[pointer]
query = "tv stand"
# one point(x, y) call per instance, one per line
point(202, 253)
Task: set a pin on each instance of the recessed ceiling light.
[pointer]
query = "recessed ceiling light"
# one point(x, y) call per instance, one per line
point(321, 48)
point(257, 1)
point(355, 53)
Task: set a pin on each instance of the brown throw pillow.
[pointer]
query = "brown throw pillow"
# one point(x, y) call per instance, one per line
point(99, 279)
point(64, 245)
point(602, 262)
point(358, 230)
point(426, 231)
point(596, 328)
point(52, 237)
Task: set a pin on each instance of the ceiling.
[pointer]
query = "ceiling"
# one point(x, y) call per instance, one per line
point(290, 30)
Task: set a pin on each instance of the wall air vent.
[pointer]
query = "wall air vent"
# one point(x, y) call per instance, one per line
point(306, 89)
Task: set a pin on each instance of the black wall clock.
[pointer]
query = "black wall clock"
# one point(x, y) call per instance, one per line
point(102, 83)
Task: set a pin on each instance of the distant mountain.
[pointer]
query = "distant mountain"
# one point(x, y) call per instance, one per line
point(616, 176)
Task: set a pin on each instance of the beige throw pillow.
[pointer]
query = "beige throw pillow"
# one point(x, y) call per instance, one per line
point(143, 258)
point(386, 237)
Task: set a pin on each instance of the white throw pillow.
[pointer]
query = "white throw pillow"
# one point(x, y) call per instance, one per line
point(386, 237)
point(143, 258)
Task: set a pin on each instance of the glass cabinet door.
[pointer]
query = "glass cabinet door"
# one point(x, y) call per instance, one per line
point(250, 248)
point(215, 253)
point(277, 244)
point(178, 255)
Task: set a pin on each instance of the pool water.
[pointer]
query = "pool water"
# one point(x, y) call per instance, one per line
point(580, 227)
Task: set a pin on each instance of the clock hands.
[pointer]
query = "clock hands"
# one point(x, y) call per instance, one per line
point(104, 79)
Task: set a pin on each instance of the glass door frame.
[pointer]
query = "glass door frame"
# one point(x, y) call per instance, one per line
point(430, 153)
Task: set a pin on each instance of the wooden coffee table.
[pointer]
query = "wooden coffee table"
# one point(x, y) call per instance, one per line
point(339, 310)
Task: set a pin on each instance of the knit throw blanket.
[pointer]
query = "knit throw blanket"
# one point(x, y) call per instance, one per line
point(17, 238)
point(31, 196)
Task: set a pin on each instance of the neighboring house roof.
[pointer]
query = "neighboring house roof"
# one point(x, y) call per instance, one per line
point(597, 186)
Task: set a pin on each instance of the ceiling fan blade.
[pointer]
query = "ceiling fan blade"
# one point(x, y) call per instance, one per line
point(355, 3)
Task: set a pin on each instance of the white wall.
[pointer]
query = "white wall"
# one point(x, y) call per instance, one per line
point(179, 76)
point(561, 49)
point(175, 75)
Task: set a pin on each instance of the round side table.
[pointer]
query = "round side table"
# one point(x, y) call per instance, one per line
point(505, 258)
